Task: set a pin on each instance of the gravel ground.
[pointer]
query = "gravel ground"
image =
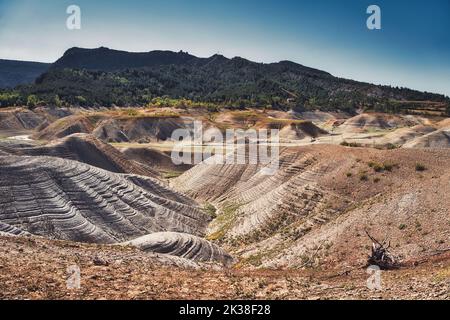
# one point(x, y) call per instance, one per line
point(35, 268)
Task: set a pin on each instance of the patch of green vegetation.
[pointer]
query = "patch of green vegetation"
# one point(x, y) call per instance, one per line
point(163, 114)
point(211, 210)
point(225, 220)
point(442, 275)
point(131, 112)
point(420, 167)
point(402, 226)
point(286, 121)
point(363, 176)
point(381, 167)
point(351, 144)
point(167, 102)
point(391, 146)
point(256, 260)
point(349, 174)
point(171, 174)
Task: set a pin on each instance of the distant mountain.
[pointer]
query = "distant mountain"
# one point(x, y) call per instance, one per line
point(14, 73)
point(108, 77)
point(104, 59)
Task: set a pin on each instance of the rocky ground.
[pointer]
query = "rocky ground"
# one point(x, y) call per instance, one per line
point(35, 268)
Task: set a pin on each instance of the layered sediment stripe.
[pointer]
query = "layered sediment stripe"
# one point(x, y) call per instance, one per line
point(182, 245)
point(66, 199)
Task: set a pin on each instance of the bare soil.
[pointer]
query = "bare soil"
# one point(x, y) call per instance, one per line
point(35, 268)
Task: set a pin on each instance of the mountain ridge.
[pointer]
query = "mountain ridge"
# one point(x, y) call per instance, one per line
point(86, 57)
point(106, 77)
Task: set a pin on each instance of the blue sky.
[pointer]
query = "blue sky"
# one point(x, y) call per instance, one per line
point(412, 49)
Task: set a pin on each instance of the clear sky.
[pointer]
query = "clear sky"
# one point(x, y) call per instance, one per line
point(412, 49)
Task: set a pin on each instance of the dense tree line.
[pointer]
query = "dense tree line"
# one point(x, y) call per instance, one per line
point(236, 83)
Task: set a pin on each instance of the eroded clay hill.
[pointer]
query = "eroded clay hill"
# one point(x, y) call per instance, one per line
point(156, 160)
point(316, 208)
point(115, 126)
point(439, 139)
point(16, 120)
point(83, 148)
point(19, 119)
point(182, 245)
point(380, 121)
point(64, 127)
point(64, 199)
point(84, 203)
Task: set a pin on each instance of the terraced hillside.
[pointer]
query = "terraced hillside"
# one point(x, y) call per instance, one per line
point(83, 148)
point(84, 203)
point(315, 210)
point(64, 199)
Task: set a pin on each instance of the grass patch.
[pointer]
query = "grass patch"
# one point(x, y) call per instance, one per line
point(245, 116)
point(131, 112)
point(420, 167)
point(209, 209)
point(171, 174)
point(381, 167)
point(225, 220)
point(351, 144)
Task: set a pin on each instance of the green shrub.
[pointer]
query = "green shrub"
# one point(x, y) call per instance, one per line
point(210, 210)
point(420, 167)
point(363, 176)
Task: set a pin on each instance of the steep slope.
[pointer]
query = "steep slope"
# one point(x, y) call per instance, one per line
point(141, 129)
point(18, 119)
point(380, 121)
point(438, 139)
point(83, 148)
point(6, 229)
point(13, 73)
point(402, 136)
point(154, 159)
point(315, 209)
point(64, 127)
point(65, 199)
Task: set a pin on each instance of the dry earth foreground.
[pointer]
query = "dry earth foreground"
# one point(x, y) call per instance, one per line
point(36, 268)
point(96, 189)
point(315, 210)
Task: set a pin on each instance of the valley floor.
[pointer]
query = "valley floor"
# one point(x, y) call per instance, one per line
point(35, 268)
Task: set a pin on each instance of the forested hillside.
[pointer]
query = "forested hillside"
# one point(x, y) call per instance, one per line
point(104, 77)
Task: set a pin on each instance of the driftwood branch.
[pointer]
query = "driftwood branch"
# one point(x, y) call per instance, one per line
point(380, 255)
